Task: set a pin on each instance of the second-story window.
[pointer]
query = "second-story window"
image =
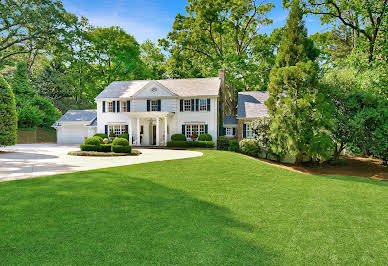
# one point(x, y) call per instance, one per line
point(124, 106)
point(203, 105)
point(154, 106)
point(110, 106)
point(187, 105)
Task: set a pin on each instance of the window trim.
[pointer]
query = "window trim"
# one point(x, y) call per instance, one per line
point(121, 129)
point(189, 127)
point(110, 107)
point(123, 106)
point(154, 103)
point(185, 101)
point(248, 129)
point(204, 104)
point(229, 128)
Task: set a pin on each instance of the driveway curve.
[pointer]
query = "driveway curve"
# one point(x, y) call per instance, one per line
point(33, 160)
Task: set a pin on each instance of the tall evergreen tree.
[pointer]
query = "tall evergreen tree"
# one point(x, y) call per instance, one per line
point(295, 103)
point(8, 118)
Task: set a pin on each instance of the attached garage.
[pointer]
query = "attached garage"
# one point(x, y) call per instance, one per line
point(76, 125)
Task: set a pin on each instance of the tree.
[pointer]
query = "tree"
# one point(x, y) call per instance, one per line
point(295, 104)
point(8, 117)
point(220, 34)
point(154, 60)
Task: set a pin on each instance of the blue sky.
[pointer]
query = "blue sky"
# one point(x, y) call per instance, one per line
point(153, 19)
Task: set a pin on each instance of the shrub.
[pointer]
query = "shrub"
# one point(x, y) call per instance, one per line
point(120, 142)
point(222, 143)
point(178, 137)
point(121, 149)
point(88, 147)
point(101, 135)
point(205, 137)
point(105, 147)
point(94, 141)
point(124, 136)
point(8, 117)
point(249, 147)
point(203, 144)
point(233, 145)
point(188, 144)
point(178, 143)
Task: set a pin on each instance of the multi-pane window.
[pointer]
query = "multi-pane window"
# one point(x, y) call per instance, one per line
point(201, 129)
point(124, 106)
point(187, 105)
point(203, 105)
point(117, 129)
point(154, 105)
point(249, 130)
point(228, 131)
point(110, 106)
point(190, 128)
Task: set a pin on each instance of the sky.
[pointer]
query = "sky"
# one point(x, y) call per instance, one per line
point(153, 19)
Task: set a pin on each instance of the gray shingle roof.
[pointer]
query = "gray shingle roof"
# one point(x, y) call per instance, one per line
point(78, 116)
point(93, 123)
point(251, 104)
point(230, 120)
point(180, 87)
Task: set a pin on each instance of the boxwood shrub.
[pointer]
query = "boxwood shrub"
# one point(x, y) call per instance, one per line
point(205, 137)
point(233, 145)
point(96, 140)
point(120, 142)
point(178, 137)
point(88, 147)
point(249, 147)
point(124, 136)
point(121, 149)
point(188, 144)
point(222, 143)
point(105, 147)
point(101, 135)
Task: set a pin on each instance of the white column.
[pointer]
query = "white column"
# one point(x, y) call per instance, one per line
point(165, 131)
point(130, 131)
point(157, 131)
point(138, 131)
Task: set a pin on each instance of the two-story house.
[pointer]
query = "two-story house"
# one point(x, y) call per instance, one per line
point(149, 111)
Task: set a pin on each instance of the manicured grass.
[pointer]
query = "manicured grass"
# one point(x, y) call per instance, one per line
point(222, 208)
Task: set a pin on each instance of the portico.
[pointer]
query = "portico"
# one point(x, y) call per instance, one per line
point(149, 128)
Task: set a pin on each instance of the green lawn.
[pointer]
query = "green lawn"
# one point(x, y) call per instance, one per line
point(221, 208)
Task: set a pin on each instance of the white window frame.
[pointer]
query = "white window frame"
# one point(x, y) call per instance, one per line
point(249, 131)
point(110, 107)
point(187, 105)
point(190, 128)
point(154, 105)
point(202, 105)
point(117, 129)
point(124, 107)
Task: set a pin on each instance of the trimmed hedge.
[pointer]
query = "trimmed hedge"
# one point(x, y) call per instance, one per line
point(189, 144)
point(249, 147)
point(88, 147)
point(8, 115)
point(120, 142)
point(233, 145)
point(222, 143)
point(121, 149)
point(178, 137)
point(101, 135)
point(94, 141)
point(205, 137)
point(124, 136)
point(105, 147)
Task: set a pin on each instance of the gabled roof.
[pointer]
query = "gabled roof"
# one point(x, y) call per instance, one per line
point(180, 87)
point(77, 116)
point(251, 104)
point(230, 120)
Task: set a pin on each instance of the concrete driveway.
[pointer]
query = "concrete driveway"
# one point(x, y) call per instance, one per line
point(33, 160)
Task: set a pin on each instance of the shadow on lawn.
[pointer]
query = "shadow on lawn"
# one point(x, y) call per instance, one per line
point(117, 220)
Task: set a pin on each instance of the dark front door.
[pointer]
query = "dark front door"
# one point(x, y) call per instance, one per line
point(153, 135)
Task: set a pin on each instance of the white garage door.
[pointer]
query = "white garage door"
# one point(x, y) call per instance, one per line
point(72, 134)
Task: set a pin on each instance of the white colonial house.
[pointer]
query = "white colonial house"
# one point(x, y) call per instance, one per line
point(150, 111)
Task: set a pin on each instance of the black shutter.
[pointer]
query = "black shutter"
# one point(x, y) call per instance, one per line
point(126, 129)
point(128, 106)
point(197, 105)
point(244, 131)
point(181, 105)
point(103, 106)
point(206, 129)
point(234, 131)
point(192, 105)
point(183, 129)
point(159, 105)
point(106, 129)
point(224, 131)
point(208, 104)
point(114, 106)
point(118, 106)
point(148, 105)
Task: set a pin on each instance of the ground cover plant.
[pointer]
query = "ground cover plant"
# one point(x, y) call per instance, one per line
point(221, 208)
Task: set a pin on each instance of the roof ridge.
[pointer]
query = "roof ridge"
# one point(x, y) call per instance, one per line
point(149, 80)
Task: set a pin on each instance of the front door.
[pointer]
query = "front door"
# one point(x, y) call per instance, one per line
point(153, 134)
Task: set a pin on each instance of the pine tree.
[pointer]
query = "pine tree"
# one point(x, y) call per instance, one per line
point(295, 104)
point(8, 118)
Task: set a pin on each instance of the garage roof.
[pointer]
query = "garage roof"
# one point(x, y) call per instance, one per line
point(77, 116)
